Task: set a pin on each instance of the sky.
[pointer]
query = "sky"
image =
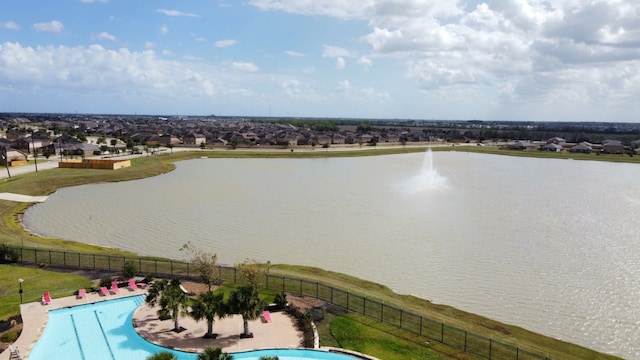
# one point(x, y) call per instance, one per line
point(523, 60)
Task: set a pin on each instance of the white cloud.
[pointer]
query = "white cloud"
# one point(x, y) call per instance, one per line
point(53, 26)
point(336, 8)
point(365, 62)
point(106, 36)
point(149, 45)
point(82, 71)
point(225, 43)
point(340, 63)
point(10, 25)
point(334, 51)
point(294, 53)
point(176, 13)
point(343, 86)
point(164, 29)
point(244, 66)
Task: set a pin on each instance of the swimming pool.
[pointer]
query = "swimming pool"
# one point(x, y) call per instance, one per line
point(104, 330)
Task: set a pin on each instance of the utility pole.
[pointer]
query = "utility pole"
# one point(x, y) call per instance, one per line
point(3, 152)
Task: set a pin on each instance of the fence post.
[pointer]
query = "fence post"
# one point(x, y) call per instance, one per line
point(109, 262)
point(94, 261)
point(79, 260)
point(187, 269)
point(332, 295)
point(49, 257)
point(300, 287)
point(490, 348)
point(267, 280)
point(155, 265)
point(171, 262)
point(381, 312)
point(64, 258)
point(400, 318)
point(364, 307)
point(420, 325)
point(140, 265)
point(465, 341)
point(235, 275)
point(317, 290)
point(35, 255)
point(442, 334)
point(283, 284)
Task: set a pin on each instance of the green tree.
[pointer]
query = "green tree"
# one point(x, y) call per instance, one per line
point(162, 355)
point(170, 146)
point(246, 302)
point(114, 142)
point(171, 299)
point(202, 145)
point(208, 306)
point(204, 262)
point(325, 146)
point(253, 272)
point(211, 353)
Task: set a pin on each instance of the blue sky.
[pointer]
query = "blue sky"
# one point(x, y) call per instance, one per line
point(546, 60)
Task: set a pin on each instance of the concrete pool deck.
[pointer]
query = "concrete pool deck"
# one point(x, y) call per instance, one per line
point(280, 332)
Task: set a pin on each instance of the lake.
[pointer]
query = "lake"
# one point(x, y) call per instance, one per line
point(550, 245)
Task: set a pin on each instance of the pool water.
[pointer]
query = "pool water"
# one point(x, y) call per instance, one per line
point(104, 330)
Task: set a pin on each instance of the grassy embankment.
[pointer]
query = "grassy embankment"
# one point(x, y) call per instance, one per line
point(46, 182)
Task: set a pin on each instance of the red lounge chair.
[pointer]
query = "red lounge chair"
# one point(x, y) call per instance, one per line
point(82, 293)
point(132, 285)
point(266, 315)
point(104, 291)
point(46, 298)
point(114, 287)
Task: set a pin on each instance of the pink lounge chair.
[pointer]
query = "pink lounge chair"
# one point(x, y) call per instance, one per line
point(266, 315)
point(82, 293)
point(114, 287)
point(104, 291)
point(132, 285)
point(46, 298)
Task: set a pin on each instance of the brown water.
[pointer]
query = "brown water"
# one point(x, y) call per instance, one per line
point(550, 245)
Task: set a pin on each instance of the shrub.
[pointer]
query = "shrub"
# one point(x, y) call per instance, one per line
point(129, 269)
point(280, 300)
point(8, 255)
point(148, 279)
point(106, 281)
point(10, 336)
point(303, 321)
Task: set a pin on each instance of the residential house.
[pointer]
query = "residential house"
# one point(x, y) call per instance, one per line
point(194, 139)
point(583, 147)
point(525, 145)
point(612, 147)
point(551, 147)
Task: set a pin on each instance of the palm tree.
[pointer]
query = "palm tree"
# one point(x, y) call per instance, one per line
point(208, 306)
point(163, 355)
point(171, 299)
point(246, 302)
point(211, 353)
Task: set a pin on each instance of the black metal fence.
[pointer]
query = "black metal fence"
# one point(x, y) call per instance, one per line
point(452, 336)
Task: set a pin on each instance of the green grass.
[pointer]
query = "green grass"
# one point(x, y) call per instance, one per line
point(36, 282)
point(46, 182)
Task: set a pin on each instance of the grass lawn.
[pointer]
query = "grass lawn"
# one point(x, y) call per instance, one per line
point(36, 282)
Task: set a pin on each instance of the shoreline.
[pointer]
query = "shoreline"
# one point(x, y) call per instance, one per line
point(44, 240)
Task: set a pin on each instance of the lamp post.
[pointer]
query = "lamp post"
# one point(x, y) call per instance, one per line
point(20, 281)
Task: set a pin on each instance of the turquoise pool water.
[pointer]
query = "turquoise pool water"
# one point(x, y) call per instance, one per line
point(104, 330)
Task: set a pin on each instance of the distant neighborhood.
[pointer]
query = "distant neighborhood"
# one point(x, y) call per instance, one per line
point(87, 135)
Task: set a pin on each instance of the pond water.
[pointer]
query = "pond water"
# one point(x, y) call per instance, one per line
point(550, 245)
